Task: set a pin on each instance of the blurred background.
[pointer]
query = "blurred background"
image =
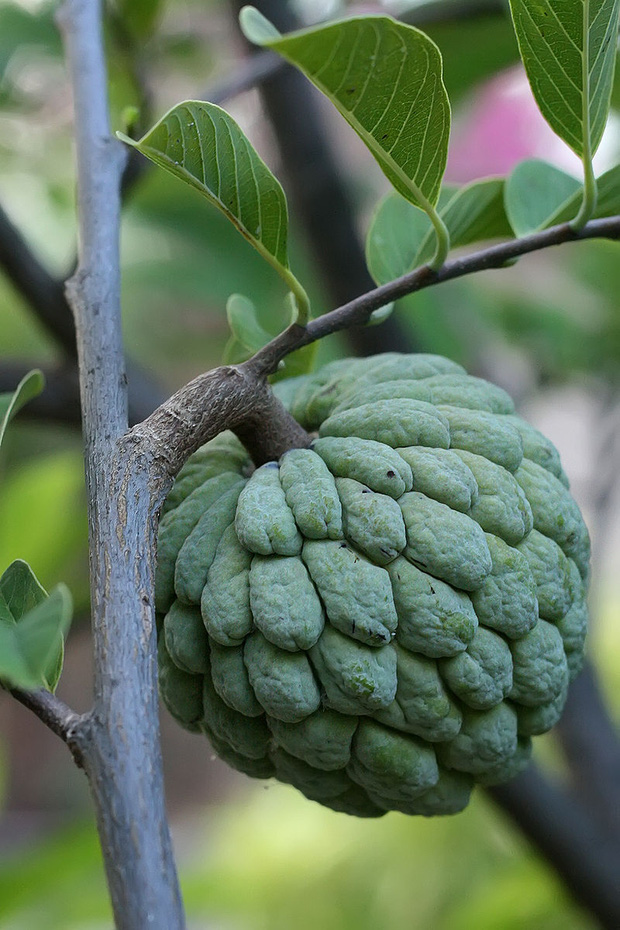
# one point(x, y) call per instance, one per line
point(256, 855)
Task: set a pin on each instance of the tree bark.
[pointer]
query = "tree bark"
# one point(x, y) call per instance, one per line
point(120, 738)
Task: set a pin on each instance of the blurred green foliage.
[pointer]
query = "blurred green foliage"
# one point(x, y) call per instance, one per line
point(272, 861)
point(43, 503)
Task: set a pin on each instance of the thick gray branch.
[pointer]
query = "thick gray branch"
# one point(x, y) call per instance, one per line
point(121, 752)
point(231, 397)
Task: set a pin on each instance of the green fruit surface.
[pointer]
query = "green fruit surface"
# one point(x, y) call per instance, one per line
point(386, 619)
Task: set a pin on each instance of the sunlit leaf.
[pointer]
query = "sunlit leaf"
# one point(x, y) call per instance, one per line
point(30, 386)
point(202, 145)
point(32, 629)
point(534, 192)
point(568, 48)
point(386, 80)
point(20, 589)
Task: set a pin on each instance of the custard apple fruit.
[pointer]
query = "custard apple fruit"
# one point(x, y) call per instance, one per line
point(386, 618)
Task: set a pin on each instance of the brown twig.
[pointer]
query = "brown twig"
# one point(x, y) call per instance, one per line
point(57, 717)
point(358, 311)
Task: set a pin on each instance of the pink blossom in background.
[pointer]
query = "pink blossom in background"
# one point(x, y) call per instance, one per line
point(501, 126)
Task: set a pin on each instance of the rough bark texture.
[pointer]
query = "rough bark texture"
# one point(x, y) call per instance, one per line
point(120, 738)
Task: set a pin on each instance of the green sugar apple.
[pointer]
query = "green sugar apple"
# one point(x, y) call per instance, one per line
point(386, 618)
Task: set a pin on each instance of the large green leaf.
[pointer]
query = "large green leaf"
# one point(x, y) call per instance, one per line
point(386, 80)
point(32, 629)
point(534, 192)
point(202, 145)
point(400, 237)
point(568, 49)
point(30, 386)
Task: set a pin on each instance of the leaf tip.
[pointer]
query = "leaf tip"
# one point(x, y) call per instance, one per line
point(126, 139)
point(256, 27)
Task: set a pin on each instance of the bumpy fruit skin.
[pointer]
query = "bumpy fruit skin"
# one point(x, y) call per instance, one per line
point(387, 618)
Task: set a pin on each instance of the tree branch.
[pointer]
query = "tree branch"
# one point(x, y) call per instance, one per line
point(586, 858)
point(358, 311)
point(122, 755)
point(44, 293)
point(57, 717)
point(231, 397)
point(60, 400)
point(590, 742)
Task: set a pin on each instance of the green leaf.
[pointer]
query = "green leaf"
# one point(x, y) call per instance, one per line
point(534, 192)
point(568, 48)
point(297, 363)
point(396, 232)
point(32, 629)
point(386, 80)
point(244, 325)
point(20, 589)
point(607, 204)
point(475, 213)
point(381, 315)
point(202, 145)
point(248, 336)
point(30, 386)
point(400, 237)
